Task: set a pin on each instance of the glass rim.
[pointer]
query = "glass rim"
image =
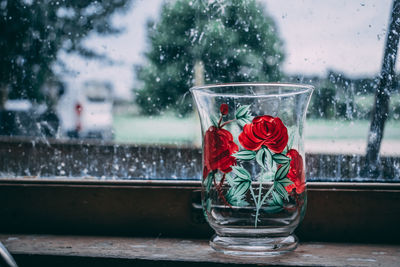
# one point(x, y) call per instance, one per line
point(204, 89)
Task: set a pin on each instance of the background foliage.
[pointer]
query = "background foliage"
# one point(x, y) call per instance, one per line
point(234, 40)
point(34, 32)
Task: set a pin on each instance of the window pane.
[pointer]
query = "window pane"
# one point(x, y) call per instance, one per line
point(101, 87)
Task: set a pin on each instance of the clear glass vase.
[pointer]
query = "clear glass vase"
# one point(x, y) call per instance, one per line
point(254, 191)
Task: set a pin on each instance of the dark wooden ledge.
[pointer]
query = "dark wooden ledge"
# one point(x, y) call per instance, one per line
point(51, 250)
point(338, 212)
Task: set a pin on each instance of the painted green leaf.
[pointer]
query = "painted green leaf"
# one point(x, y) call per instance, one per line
point(241, 172)
point(245, 155)
point(236, 200)
point(243, 115)
point(277, 198)
point(230, 179)
point(243, 121)
point(264, 158)
point(235, 194)
point(268, 156)
point(229, 194)
point(280, 158)
point(237, 180)
point(285, 182)
point(208, 181)
point(260, 157)
point(242, 111)
point(282, 172)
point(280, 189)
point(241, 188)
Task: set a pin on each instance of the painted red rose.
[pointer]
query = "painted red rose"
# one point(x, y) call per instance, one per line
point(296, 172)
point(264, 130)
point(218, 150)
point(224, 109)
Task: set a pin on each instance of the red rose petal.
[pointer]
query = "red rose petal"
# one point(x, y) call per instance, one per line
point(218, 148)
point(248, 140)
point(264, 130)
point(296, 170)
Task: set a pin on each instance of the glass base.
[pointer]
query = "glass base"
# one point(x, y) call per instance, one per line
point(254, 246)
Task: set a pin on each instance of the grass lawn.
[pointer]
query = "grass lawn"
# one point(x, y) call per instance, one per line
point(160, 129)
point(169, 129)
point(347, 130)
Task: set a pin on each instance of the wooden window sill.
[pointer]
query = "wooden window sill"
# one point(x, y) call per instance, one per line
point(52, 250)
point(338, 212)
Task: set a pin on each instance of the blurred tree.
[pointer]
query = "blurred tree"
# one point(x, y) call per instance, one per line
point(323, 101)
point(228, 41)
point(32, 33)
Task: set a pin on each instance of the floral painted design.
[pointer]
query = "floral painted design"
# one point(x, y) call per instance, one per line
point(218, 150)
point(264, 130)
point(266, 141)
point(224, 109)
point(296, 172)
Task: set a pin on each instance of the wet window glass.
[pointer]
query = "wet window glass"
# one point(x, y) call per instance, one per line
point(99, 89)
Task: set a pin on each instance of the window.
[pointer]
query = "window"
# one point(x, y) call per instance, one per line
point(94, 98)
point(101, 88)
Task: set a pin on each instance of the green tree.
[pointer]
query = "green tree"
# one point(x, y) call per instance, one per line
point(234, 41)
point(32, 33)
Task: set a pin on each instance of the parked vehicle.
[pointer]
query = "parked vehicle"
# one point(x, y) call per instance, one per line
point(87, 112)
point(22, 118)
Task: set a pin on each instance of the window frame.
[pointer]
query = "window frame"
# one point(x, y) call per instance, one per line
point(342, 212)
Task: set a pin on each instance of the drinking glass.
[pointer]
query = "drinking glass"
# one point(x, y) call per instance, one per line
point(254, 190)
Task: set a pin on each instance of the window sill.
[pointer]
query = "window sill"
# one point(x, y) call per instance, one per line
point(338, 212)
point(50, 250)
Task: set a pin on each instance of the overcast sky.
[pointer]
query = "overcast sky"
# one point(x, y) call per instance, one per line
point(343, 35)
